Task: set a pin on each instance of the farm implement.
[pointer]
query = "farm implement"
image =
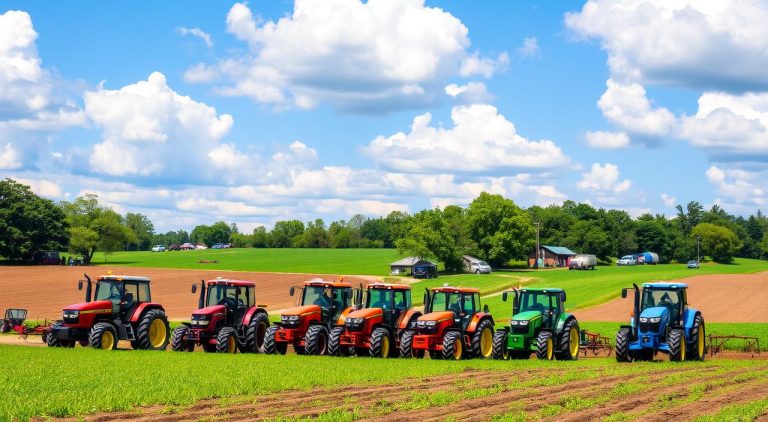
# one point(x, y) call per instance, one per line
point(227, 319)
point(453, 326)
point(661, 322)
point(15, 321)
point(308, 327)
point(539, 325)
point(376, 329)
point(121, 308)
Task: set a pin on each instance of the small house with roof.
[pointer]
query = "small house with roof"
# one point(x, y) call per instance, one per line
point(551, 256)
point(406, 265)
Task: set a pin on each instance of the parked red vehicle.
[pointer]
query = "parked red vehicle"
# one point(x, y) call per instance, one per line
point(227, 319)
point(121, 308)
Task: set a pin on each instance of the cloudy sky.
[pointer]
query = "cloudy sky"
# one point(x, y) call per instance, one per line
point(195, 111)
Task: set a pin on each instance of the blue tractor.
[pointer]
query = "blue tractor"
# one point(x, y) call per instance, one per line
point(661, 322)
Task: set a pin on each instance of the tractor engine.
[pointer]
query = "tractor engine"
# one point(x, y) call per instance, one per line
point(295, 322)
point(523, 327)
point(653, 326)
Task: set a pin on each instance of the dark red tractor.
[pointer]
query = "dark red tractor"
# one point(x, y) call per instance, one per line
point(227, 320)
point(121, 308)
point(376, 329)
point(307, 327)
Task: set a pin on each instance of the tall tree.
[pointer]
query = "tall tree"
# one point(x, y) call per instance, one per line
point(719, 242)
point(94, 227)
point(143, 228)
point(285, 233)
point(500, 228)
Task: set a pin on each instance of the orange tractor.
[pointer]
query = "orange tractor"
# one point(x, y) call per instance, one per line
point(453, 326)
point(308, 326)
point(376, 329)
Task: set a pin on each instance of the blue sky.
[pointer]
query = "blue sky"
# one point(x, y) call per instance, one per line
point(196, 111)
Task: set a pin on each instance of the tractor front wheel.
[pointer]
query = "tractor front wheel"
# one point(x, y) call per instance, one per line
point(381, 343)
point(270, 345)
point(5, 327)
point(697, 348)
point(676, 341)
point(316, 340)
point(569, 341)
point(500, 350)
point(178, 344)
point(482, 340)
point(334, 343)
point(453, 346)
point(622, 346)
point(545, 346)
point(153, 332)
point(54, 341)
point(406, 346)
point(103, 336)
point(226, 341)
point(255, 333)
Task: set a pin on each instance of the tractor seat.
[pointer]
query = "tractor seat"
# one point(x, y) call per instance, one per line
point(129, 305)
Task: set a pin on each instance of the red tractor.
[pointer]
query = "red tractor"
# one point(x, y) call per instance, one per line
point(452, 327)
point(227, 319)
point(376, 329)
point(121, 309)
point(307, 327)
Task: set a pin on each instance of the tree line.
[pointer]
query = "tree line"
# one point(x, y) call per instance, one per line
point(492, 227)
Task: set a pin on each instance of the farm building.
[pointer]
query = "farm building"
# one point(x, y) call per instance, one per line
point(406, 265)
point(552, 256)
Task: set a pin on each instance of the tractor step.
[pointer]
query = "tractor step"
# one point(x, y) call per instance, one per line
point(129, 334)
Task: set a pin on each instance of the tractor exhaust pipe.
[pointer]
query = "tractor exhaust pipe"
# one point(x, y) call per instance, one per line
point(637, 309)
point(87, 288)
point(201, 300)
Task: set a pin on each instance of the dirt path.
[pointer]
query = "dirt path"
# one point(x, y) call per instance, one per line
point(45, 290)
point(721, 298)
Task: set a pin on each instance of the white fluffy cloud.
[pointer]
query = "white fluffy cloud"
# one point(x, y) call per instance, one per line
point(606, 140)
point(739, 189)
point(628, 107)
point(197, 33)
point(43, 187)
point(530, 47)
point(471, 93)
point(9, 158)
point(24, 85)
point(669, 201)
point(604, 181)
point(149, 129)
point(361, 56)
point(480, 140)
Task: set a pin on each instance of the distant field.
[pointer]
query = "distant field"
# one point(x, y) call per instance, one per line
point(313, 261)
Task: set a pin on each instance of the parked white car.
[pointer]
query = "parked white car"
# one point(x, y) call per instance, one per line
point(158, 248)
point(626, 260)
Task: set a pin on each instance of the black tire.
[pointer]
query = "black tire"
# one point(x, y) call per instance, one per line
point(334, 344)
point(103, 336)
point(406, 346)
point(453, 346)
point(477, 271)
point(698, 331)
point(543, 342)
point(477, 340)
point(622, 345)
point(45, 337)
point(564, 346)
point(53, 341)
point(500, 351)
point(5, 327)
point(361, 352)
point(255, 333)
point(644, 355)
point(382, 344)
point(145, 337)
point(178, 344)
point(316, 340)
point(226, 341)
point(676, 341)
point(436, 354)
point(520, 354)
point(209, 348)
point(270, 345)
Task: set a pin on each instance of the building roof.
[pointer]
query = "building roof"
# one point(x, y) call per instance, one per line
point(559, 250)
point(409, 261)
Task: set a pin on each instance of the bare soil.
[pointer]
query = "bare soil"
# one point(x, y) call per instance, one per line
point(45, 290)
point(721, 298)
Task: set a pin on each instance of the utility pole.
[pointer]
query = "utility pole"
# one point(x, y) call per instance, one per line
point(698, 260)
point(538, 251)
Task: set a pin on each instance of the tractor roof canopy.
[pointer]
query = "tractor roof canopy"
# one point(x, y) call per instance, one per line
point(324, 283)
point(388, 286)
point(552, 290)
point(122, 278)
point(665, 286)
point(449, 289)
point(235, 283)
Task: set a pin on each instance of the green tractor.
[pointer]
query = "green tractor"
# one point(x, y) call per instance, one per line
point(539, 325)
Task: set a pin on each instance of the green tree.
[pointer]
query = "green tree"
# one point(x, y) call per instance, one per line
point(143, 228)
point(500, 228)
point(28, 222)
point(690, 217)
point(94, 227)
point(260, 237)
point(284, 233)
point(587, 237)
point(719, 242)
point(315, 236)
point(438, 234)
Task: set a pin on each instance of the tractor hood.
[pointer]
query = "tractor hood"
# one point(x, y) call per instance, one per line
point(655, 312)
point(302, 310)
point(366, 313)
point(209, 310)
point(90, 306)
point(526, 316)
point(437, 316)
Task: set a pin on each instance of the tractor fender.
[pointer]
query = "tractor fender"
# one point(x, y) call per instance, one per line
point(689, 316)
point(253, 311)
point(564, 317)
point(480, 316)
point(343, 316)
point(407, 318)
point(143, 308)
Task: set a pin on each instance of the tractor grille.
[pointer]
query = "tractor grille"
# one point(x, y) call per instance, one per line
point(519, 329)
point(354, 327)
point(649, 327)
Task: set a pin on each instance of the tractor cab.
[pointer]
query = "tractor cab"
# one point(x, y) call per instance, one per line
point(535, 308)
point(392, 299)
point(457, 303)
point(660, 300)
point(233, 297)
point(331, 297)
point(121, 294)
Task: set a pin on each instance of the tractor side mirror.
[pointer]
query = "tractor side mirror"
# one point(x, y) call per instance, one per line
point(504, 296)
point(194, 288)
point(563, 297)
point(485, 308)
point(80, 285)
point(238, 291)
point(623, 293)
point(293, 290)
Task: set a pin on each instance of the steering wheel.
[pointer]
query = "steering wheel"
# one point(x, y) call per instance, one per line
point(229, 302)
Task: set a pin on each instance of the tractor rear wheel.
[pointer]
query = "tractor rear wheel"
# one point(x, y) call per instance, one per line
point(545, 346)
point(226, 341)
point(622, 346)
point(381, 343)
point(316, 340)
point(698, 347)
point(453, 346)
point(178, 344)
point(153, 331)
point(406, 346)
point(255, 333)
point(482, 340)
point(5, 327)
point(569, 341)
point(334, 343)
point(500, 350)
point(103, 336)
point(676, 341)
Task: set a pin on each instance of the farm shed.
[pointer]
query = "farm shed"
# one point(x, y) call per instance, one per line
point(405, 266)
point(552, 256)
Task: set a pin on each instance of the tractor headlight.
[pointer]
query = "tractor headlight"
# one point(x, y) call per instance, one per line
point(513, 322)
point(200, 320)
point(355, 321)
point(643, 319)
point(524, 322)
point(70, 316)
point(654, 320)
point(289, 318)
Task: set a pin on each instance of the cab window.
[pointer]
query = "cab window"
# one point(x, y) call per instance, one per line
point(341, 298)
point(133, 290)
point(144, 295)
point(250, 296)
point(469, 304)
point(402, 300)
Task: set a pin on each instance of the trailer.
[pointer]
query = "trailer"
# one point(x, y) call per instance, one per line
point(582, 262)
point(648, 258)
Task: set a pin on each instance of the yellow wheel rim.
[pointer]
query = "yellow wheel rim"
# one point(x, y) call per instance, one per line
point(701, 342)
point(486, 343)
point(157, 333)
point(574, 340)
point(682, 346)
point(550, 348)
point(107, 340)
point(385, 347)
point(231, 346)
point(457, 349)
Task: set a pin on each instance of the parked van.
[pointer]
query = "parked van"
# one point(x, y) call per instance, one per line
point(474, 265)
point(626, 260)
point(583, 262)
